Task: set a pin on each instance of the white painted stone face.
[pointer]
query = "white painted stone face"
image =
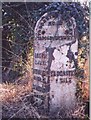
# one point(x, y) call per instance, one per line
point(61, 61)
point(62, 96)
point(61, 57)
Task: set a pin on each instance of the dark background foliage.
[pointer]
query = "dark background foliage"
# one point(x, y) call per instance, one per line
point(19, 20)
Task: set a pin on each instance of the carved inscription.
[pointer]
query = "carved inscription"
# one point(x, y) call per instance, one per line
point(55, 61)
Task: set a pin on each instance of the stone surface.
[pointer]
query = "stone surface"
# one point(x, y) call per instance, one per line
point(55, 61)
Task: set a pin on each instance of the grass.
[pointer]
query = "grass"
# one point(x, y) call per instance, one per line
point(12, 94)
point(12, 91)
